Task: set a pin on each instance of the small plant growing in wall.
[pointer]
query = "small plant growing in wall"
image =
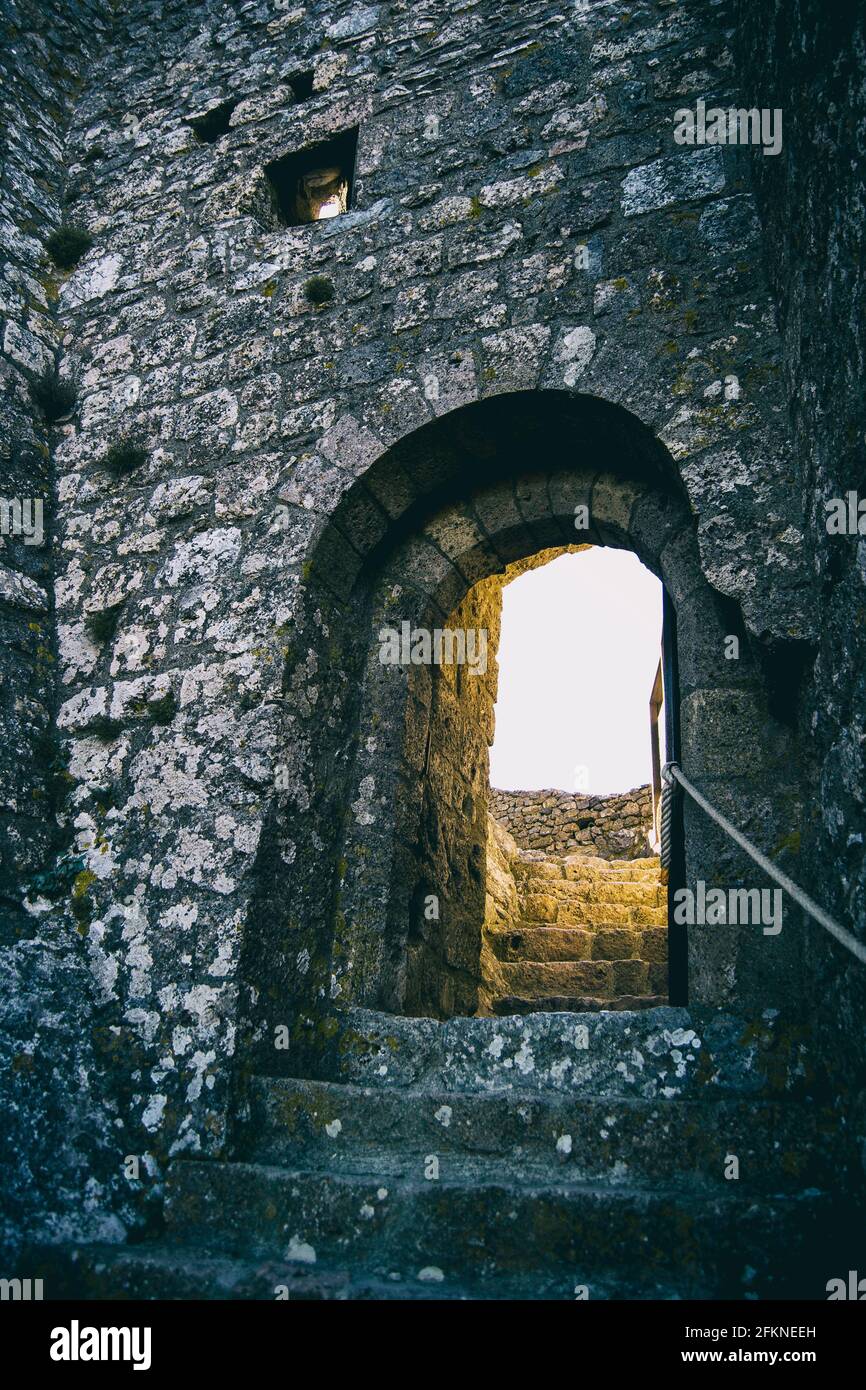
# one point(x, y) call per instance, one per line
point(102, 626)
point(162, 711)
point(55, 398)
point(105, 729)
point(319, 290)
point(124, 456)
point(67, 245)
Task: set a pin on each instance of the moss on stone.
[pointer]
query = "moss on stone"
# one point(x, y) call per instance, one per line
point(319, 290)
point(80, 900)
point(124, 456)
point(101, 626)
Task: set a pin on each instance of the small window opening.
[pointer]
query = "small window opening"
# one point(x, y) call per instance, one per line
point(302, 85)
point(316, 183)
point(214, 123)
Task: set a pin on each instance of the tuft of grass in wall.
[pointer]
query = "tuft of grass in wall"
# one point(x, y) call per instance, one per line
point(67, 245)
point(124, 457)
point(102, 626)
point(55, 398)
point(105, 729)
point(163, 711)
point(319, 289)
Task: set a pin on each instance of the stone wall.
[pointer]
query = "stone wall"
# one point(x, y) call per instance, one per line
point(444, 957)
point(60, 1128)
point(810, 58)
point(558, 822)
point(43, 63)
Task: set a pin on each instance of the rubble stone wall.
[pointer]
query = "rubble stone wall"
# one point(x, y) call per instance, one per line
point(559, 822)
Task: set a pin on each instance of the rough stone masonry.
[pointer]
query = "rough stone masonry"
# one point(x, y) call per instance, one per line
point(234, 418)
point(615, 826)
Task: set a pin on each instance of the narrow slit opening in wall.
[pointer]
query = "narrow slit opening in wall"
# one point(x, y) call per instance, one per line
point(214, 123)
point(315, 183)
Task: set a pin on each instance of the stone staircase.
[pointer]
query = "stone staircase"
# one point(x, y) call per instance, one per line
point(589, 934)
point(546, 1156)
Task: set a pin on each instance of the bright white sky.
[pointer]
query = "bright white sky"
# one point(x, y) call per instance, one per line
point(578, 653)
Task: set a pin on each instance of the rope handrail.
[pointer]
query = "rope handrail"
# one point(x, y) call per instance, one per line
point(672, 772)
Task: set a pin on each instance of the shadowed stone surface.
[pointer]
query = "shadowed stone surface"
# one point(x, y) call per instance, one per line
point(496, 1157)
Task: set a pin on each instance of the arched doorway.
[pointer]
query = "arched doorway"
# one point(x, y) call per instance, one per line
point(420, 537)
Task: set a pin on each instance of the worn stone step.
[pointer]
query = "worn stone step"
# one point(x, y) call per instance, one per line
point(529, 942)
point(603, 978)
point(579, 912)
point(625, 890)
point(172, 1270)
point(341, 1128)
point(649, 865)
point(574, 878)
point(510, 1004)
point(659, 1051)
point(619, 944)
point(485, 1231)
point(588, 868)
point(625, 893)
point(590, 884)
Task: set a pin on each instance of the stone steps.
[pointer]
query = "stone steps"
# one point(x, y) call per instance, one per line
point(346, 1128)
point(570, 1150)
point(583, 929)
point(564, 890)
point(484, 1230)
point(588, 867)
point(509, 1004)
point(660, 1052)
point(604, 979)
point(170, 1270)
point(568, 912)
point(527, 941)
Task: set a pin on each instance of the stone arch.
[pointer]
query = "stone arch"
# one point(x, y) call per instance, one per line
point(448, 506)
